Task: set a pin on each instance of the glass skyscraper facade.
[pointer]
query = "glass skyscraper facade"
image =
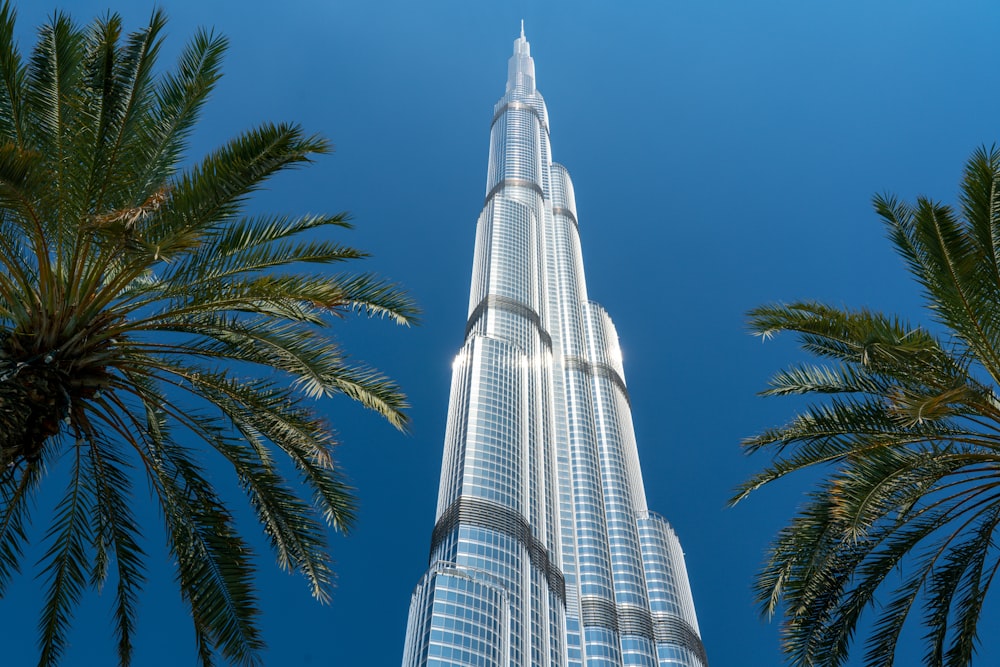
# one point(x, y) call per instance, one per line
point(544, 553)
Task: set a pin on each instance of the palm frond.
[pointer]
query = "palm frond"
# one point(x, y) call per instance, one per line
point(17, 488)
point(215, 189)
point(215, 572)
point(908, 439)
point(12, 81)
point(180, 97)
point(980, 199)
point(256, 244)
point(295, 536)
point(131, 290)
point(375, 297)
point(126, 96)
point(64, 563)
point(962, 568)
point(52, 76)
point(117, 531)
point(317, 365)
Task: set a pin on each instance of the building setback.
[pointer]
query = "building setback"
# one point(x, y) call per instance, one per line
point(543, 553)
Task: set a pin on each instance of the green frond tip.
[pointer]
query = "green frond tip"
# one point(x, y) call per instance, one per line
point(905, 436)
point(375, 297)
point(149, 326)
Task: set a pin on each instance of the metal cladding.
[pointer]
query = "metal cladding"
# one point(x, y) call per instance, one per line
point(543, 552)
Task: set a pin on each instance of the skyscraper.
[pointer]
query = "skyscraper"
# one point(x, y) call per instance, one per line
point(543, 553)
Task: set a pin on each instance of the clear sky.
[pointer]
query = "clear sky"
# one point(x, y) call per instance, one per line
point(724, 154)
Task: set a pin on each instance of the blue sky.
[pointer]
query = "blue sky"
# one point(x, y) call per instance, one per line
point(724, 155)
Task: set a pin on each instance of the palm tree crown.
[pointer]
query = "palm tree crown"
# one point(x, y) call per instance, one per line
point(903, 523)
point(131, 293)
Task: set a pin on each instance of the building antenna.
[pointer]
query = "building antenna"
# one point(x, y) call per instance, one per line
point(522, 28)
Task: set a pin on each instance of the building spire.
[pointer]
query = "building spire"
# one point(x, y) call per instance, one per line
point(541, 518)
point(520, 67)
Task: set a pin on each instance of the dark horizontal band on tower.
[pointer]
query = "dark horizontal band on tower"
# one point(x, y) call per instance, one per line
point(511, 306)
point(556, 210)
point(485, 514)
point(509, 182)
point(520, 106)
point(674, 630)
point(636, 621)
point(600, 370)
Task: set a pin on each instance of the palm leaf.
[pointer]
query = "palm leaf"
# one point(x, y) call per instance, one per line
point(908, 438)
point(65, 562)
point(12, 81)
point(17, 487)
point(117, 531)
point(131, 288)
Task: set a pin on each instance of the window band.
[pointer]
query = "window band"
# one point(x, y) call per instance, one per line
point(470, 511)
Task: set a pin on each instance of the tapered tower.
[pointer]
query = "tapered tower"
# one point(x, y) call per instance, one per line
point(543, 553)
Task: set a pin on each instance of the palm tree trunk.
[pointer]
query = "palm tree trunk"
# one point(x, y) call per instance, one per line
point(32, 405)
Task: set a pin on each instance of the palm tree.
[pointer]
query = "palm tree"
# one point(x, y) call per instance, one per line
point(146, 321)
point(904, 520)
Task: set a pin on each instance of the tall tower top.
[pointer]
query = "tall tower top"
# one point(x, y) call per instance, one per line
point(543, 549)
point(521, 67)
